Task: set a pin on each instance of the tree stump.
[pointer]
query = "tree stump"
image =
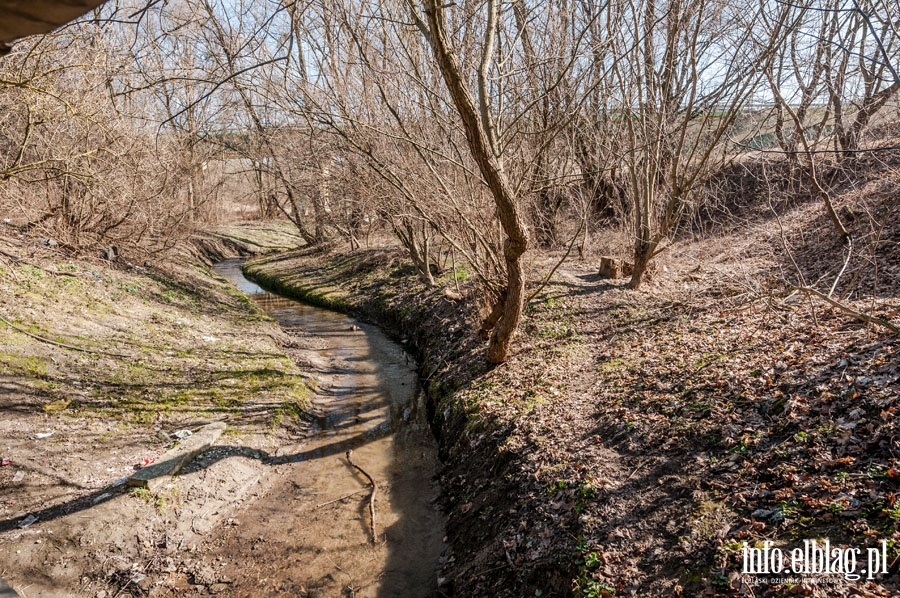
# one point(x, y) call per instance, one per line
point(611, 267)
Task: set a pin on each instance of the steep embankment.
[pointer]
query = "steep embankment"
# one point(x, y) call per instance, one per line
point(635, 440)
point(102, 365)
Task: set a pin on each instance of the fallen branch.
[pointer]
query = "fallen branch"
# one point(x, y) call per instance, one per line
point(331, 502)
point(371, 495)
point(18, 260)
point(848, 310)
point(58, 344)
point(14, 258)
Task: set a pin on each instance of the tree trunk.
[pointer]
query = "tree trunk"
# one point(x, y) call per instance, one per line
point(643, 242)
point(480, 136)
point(642, 253)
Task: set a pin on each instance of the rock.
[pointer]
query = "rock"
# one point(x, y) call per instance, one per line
point(168, 565)
point(140, 580)
point(205, 576)
point(217, 588)
point(158, 474)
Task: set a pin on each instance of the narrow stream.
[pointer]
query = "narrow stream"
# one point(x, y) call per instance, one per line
point(368, 401)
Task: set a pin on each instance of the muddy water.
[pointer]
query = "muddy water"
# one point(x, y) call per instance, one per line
point(367, 400)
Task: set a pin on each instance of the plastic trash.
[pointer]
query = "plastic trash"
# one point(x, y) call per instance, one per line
point(4, 461)
point(27, 521)
point(182, 434)
point(42, 435)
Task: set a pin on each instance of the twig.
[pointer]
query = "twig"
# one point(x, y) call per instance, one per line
point(638, 468)
point(15, 259)
point(846, 261)
point(63, 345)
point(18, 260)
point(331, 502)
point(371, 496)
point(810, 292)
point(127, 583)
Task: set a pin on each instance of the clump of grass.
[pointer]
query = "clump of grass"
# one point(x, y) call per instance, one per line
point(162, 501)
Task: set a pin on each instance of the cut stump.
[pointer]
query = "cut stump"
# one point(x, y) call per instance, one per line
point(611, 267)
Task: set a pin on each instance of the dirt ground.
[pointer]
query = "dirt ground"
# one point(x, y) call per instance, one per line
point(101, 367)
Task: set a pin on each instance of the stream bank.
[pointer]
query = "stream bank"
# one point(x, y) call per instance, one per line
point(635, 441)
point(502, 539)
point(103, 367)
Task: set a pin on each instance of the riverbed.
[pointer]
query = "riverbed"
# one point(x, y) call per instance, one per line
point(312, 534)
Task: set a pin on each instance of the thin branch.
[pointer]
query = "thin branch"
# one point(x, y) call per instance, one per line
point(371, 495)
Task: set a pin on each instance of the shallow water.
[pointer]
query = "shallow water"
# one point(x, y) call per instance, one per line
point(368, 401)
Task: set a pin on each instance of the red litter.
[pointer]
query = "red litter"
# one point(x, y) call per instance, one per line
point(4, 462)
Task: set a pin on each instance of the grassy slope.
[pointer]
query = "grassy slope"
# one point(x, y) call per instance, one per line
point(163, 348)
point(634, 441)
